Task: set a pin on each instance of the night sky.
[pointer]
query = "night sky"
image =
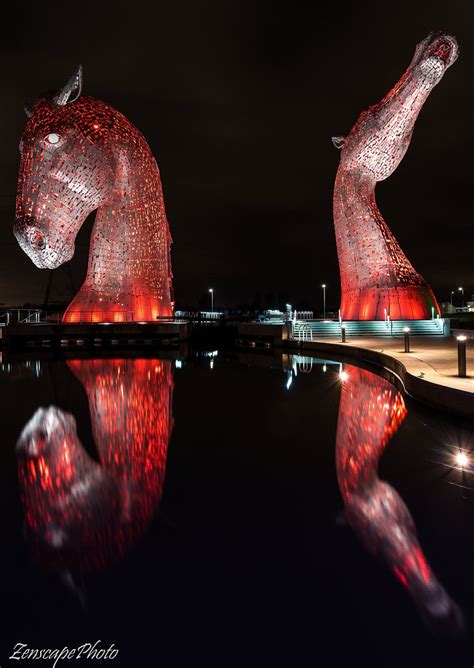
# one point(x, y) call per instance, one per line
point(238, 102)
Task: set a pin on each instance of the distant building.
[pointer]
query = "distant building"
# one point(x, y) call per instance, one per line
point(447, 308)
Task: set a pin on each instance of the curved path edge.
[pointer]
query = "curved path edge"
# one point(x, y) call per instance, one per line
point(435, 394)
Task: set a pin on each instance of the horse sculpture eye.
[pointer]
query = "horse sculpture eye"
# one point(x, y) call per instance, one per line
point(53, 138)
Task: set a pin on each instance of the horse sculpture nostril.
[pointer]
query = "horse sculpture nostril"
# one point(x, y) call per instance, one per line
point(37, 240)
point(31, 236)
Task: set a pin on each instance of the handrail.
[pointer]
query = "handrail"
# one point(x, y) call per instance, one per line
point(303, 330)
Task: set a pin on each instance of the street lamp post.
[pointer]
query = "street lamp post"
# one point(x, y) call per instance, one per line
point(452, 293)
point(462, 296)
point(212, 299)
point(324, 300)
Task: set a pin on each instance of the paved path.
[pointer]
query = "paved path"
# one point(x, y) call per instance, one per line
point(434, 357)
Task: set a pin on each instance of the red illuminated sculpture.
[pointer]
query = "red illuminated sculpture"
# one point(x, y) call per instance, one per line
point(79, 154)
point(370, 412)
point(376, 277)
point(82, 513)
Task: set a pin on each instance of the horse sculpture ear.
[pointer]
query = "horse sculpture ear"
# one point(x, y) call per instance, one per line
point(420, 47)
point(71, 90)
point(338, 141)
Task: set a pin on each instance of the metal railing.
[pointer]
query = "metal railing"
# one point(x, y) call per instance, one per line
point(20, 316)
point(303, 315)
point(303, 331)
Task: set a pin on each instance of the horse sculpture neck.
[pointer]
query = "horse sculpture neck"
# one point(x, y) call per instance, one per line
point(129, 269)
point(377, 278)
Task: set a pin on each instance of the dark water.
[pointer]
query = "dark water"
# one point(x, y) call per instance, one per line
point(225, 510)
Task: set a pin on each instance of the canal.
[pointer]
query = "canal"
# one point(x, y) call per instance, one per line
point(229, 508)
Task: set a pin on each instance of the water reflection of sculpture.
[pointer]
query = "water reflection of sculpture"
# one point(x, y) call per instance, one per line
point(78, 154)
point(80, 514)
point(370, 412)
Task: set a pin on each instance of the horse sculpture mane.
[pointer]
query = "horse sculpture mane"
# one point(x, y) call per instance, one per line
point(377, 278)
point(78, 154)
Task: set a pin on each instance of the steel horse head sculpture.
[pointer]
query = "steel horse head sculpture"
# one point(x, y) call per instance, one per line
point(376, 277)
point(79, 154)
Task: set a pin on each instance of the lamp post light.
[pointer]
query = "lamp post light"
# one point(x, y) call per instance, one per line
point(324, 300)
point(212, 299)
point(461, 356)
point(461, 290)
point(343, 333)
point(406, 333)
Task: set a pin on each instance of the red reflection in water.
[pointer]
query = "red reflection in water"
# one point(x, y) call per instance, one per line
point(80, 514)
point(370, 412)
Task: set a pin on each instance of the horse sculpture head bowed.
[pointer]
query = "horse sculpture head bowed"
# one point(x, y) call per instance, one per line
point(79, 154)
point(60, 182)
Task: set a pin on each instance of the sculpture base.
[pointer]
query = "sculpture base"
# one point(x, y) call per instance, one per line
point(100, 309)
point(400, 303)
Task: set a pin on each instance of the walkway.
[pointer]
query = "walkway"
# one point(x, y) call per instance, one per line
point(434, 357)
point(429, 371)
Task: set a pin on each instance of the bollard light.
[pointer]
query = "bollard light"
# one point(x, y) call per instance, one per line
point(406, 332)
point(461, 339)
point(343, 333)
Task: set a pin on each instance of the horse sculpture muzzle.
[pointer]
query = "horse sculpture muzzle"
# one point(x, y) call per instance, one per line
point(35, 243)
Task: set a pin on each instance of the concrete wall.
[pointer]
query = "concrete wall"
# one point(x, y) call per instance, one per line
point(262, 331)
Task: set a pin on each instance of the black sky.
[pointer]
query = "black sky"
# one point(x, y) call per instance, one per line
point(238, 101)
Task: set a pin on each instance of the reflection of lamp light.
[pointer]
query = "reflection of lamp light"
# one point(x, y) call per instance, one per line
point(462, 460)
